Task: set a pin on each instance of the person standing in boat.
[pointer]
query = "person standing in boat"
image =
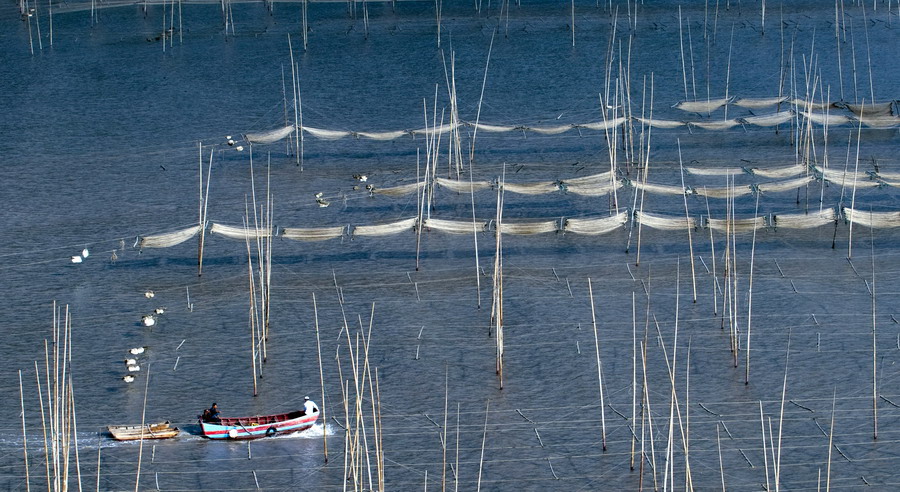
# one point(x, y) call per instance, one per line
point(309, 407)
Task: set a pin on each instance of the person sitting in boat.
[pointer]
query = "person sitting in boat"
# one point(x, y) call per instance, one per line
point(309, 407)
point(211, 414)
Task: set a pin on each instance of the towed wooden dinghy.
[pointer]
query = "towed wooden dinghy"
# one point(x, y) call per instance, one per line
point(159, 430)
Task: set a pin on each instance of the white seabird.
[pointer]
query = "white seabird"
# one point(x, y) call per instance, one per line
point(136, 350)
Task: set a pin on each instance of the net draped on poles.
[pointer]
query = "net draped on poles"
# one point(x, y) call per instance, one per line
point(538, 188)
point(528, 228)
point(170, 238)
point(595, 227)
point(736, 225)
point(706, 106)
point(804, 221)
point(239, 232)
point(270, 136)
point(399, 190)
point(462, 186)
point(663, 222)
point(312, 233)
point(875, 220)
point(456, 226)
point(768, 119)
point(386, 229)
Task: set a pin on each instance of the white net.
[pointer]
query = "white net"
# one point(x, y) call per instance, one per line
point(594, 227)
point(877, 220)
point(269, 136)
point(769, 119)
point(664, 223)
point(603, 125)
point(239, 232)
point(551, 130)
point(829, 119)
point(383, 135)
point(326, 134)
point(526, 228)
point(170, 238)
point(723, 192)
point(658, 188)
point(589, 180)
point(714, 171)
point(869, 109)
point(455, 226)
point(399, 190)
point(462, 186)
point(804, 221)
point(707, 106)
point(593, 189)
point(493, 128)
point(779, 172)
point(759, 102)
point(312, 234)
point(715, 125)
point(539, 188)
point(661, 123)
point(788, 184)
point(385, 229)
point(736, 225)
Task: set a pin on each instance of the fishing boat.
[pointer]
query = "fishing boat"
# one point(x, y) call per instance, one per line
point(258, 426)
point(159, 430)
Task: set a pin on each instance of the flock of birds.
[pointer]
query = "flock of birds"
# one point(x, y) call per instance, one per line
point(131, 362)
point(81, 257)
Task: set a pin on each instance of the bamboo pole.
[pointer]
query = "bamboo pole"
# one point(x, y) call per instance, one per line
point(321, 380)
point(687, 219)
point(777, 463)
point(137, 479)
point(24, 435)
point(719, 447)
point(75, 432)
point(444, 430)
point(599, 369)
point(633, 378)
point(855, 172)
point(203, 214)
point(762, 425)
point(487, 409)
point(750, 297)
point(37, 377)
point(830, 443)
point(874, 347)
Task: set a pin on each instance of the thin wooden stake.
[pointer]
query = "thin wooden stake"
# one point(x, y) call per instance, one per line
point(599, 368)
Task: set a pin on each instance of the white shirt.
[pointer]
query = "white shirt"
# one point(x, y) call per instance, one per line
point(309, 407)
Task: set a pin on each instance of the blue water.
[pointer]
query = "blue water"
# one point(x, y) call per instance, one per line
point(102, 136)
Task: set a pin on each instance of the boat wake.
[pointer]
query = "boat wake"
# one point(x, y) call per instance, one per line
point(314, 432)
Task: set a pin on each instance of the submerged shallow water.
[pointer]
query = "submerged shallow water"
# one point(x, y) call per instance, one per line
point(103, 131)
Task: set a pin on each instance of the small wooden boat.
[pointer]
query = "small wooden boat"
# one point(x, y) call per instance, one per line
point(258, 426)
point(159, 430)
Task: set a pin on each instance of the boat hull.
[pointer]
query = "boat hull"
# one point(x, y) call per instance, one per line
point(258, 426)
point(160, 430)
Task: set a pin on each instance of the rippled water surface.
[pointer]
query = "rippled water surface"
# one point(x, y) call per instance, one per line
point(105, 132)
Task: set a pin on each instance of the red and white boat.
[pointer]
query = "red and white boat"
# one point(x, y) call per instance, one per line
point(258, 426)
